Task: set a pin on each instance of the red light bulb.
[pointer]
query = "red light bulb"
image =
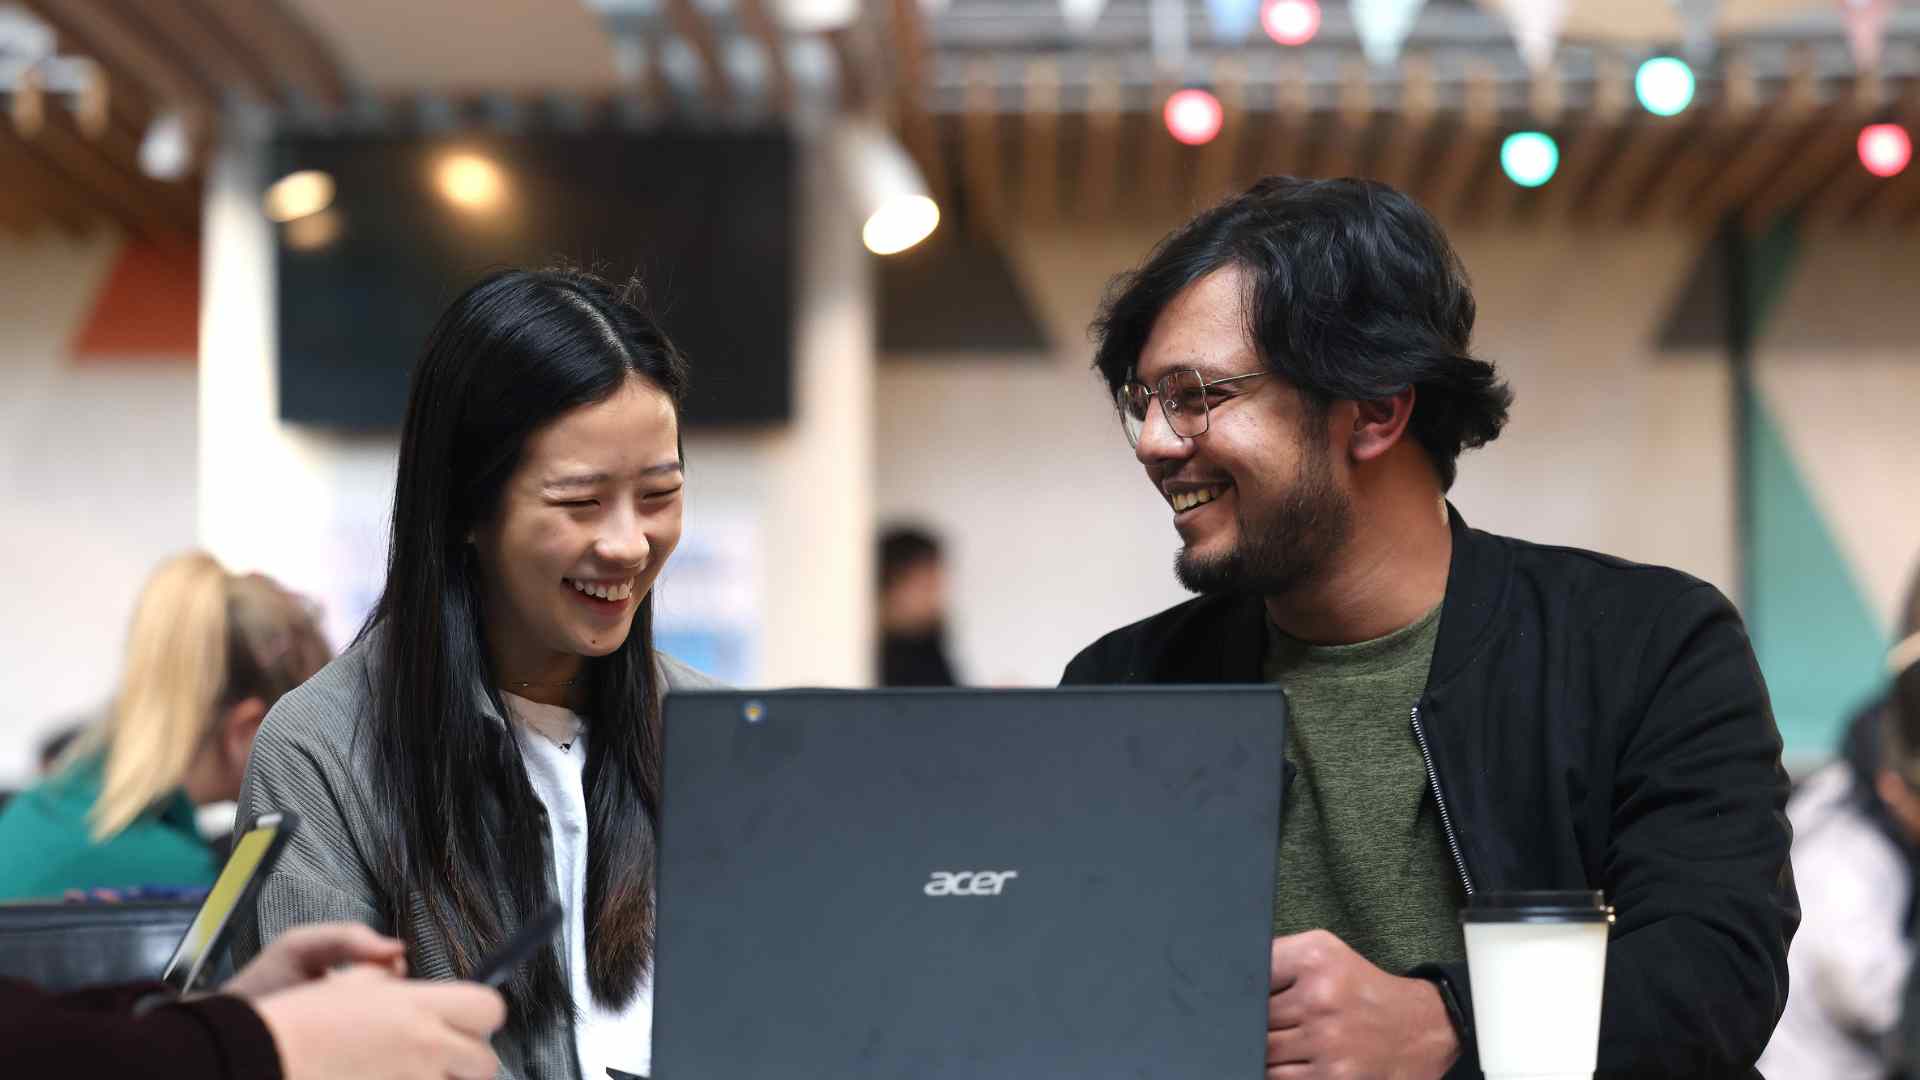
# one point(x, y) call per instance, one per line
point(1194, 116)
point(1885, 149)
point(1291, 22)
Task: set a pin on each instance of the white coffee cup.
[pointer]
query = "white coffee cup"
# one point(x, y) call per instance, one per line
point(1538, 963)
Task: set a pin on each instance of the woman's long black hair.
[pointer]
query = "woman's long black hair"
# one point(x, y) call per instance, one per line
point(463, 846)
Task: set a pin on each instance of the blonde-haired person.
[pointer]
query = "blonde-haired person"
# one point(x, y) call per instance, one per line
point(208, 653)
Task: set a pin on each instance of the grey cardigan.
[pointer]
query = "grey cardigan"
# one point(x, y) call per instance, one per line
point(305, 759)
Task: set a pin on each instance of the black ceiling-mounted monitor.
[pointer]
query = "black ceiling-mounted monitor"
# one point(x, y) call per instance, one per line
point(705, 220)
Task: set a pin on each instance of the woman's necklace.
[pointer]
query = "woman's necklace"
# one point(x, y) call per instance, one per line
point(567, 746)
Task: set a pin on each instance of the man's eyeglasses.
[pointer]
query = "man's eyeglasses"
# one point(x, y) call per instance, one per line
point(1183, 395)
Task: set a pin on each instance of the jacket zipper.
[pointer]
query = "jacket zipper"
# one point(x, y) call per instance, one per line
point(1440, 802)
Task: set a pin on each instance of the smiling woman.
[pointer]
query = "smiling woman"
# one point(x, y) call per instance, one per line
point(490, 744)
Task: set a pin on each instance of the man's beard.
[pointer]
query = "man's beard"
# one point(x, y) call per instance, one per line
point(1282, 548)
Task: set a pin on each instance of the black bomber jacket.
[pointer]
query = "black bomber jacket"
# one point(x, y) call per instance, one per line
point(1588, 723)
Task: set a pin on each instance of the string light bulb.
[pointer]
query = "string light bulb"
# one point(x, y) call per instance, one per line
point(1885, 149)
point(1194, 116)
point(1664, 85)
point(1529, 158)
point(1290, 22)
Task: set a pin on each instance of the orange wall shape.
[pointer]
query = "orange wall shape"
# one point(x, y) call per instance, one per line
point(147, 309)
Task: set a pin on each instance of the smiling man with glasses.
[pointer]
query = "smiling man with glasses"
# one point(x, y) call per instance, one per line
point(1470, 712)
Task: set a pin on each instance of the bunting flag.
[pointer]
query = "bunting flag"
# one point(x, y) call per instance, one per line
point(1082, 14)
point(1866, 30)
point(816, 16)
point(1383, 26)
point(1536, 29)
point(1697, 20)
point(1233, 20)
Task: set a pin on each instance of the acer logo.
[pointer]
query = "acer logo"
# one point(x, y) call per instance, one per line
point(969, 882)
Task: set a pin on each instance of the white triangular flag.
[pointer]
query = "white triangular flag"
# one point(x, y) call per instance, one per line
point(1383, 26)
point(1866, 30)
point(816, 16)
point(1536, 29)
point(1233, 20)
point(1697, 21)
point(1082, 14)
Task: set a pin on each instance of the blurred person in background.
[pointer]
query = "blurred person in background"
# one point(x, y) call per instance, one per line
point(1856, 832)
point(1470, 713)
point(326, 1002)
point(913, 610)
point(491, 742)
point(54, 747)
point(208, 653)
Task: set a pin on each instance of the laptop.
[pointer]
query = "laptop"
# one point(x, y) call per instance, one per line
point(964, 883)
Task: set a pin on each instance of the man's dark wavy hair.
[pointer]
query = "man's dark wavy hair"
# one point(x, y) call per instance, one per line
point(1353, 293)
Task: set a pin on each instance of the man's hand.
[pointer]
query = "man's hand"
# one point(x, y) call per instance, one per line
point(1333, 1014)
point(364, 1024)
point(305, 953)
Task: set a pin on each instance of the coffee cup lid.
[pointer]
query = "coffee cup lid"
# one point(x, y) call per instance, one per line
point(1568, 906)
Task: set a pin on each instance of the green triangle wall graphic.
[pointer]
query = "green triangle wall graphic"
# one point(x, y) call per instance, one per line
point(1817, 639)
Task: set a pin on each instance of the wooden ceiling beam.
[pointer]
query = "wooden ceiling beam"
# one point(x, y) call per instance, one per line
point(127, 50)
point(1766, 152)
point(1352, 122)
point(1825, 150)
point(1901, 204)
point(1588, 144)
point(1471, 143)
point(1860, 196)
point(1040, 149)
point(25, 177)
point(773, 45)
point(1100, 153)
point(918, 133)
point(127, 104)
point(694, 29)
point(290, 52)
point(171, 207)
point(1218, 169)
point(655, 89)
point(1843, 198)
point(16, 217)
point(201, 44)
point(119, 151)
point(980, 142)
point(1546, 99)
point(1154, 189)
point(73, 167)
point(1647, 145)
point(1282, 148)
point(1729, 124)
point(856, 88)
point(1405, 139)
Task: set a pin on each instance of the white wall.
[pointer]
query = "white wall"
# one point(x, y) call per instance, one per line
point(1052, 535)
point(309, 509)
point(1055, 538)
point(1611, 445)
point(312, 509)
point(96, 486)
point(1839, 366)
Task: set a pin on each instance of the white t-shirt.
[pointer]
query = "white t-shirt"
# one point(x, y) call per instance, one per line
point(620, 1038)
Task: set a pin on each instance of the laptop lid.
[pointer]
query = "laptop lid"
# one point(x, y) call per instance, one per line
point(952, 883)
